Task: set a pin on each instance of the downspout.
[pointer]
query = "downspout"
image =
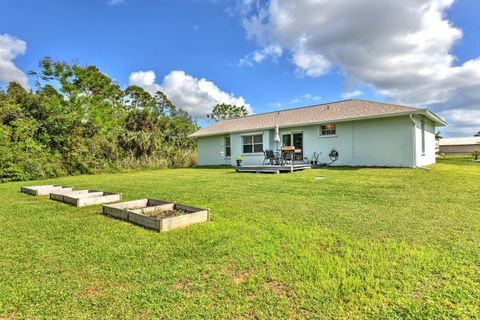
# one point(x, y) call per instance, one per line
point(353, 142)
point(414, 141)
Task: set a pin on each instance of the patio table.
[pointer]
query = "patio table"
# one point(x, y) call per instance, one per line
point(288, 154)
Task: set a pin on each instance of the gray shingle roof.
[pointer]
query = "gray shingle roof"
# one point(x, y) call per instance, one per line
point(322, 113)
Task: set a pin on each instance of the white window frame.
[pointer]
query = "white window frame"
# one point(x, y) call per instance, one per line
point(229, 146)
point(328, 134)
point(253, 144)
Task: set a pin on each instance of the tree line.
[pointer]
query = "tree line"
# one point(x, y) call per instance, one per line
point(79, 121)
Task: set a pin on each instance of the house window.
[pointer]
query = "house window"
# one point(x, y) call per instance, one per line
point(253, 143)
point(423, 136)
point(287, 140)
point(228, 149)
point(328, 129)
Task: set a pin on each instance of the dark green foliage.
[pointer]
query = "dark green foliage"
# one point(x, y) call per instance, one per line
point(80, 121)
point(476, 155)
point(227, 111)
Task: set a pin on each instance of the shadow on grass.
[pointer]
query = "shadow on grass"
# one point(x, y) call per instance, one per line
point(466, 159)
point(214, 167)
point(338, 168)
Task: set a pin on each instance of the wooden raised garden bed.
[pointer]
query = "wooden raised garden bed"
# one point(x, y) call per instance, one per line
point(120, 210)
point(44, 190)
point(58, 196)
point(84, 198)
point(157, 215)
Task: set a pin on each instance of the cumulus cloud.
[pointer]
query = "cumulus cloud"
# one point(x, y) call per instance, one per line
point(145, 80)
point(10, 48)
point(310, 63)
point(400, 49)
point(196, 96)
point(352, 94)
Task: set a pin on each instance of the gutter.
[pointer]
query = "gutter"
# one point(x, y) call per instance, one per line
point(436, 119)
point(414, 141)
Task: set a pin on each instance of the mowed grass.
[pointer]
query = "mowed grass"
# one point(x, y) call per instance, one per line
point(361, 243)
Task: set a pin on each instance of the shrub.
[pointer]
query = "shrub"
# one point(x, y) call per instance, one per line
point(476, 154)
point(98, 128)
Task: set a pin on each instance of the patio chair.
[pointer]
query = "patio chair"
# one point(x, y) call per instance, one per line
point(288, 155)
point(269, 157)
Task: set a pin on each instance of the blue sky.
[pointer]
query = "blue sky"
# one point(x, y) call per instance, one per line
point(246, 54)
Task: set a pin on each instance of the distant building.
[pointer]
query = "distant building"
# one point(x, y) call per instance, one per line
point(437, 142)
point(459, 146)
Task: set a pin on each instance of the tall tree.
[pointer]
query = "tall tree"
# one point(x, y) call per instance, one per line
point(78, 120)
point(227, 111)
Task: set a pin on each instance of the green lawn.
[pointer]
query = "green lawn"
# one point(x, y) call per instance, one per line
point(362, 243)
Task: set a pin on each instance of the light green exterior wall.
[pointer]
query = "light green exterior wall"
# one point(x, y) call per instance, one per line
point(376, 142)
point(427, 158)
point(389, 142)
point(208, 151)
point(209, 148)
point(250, 158)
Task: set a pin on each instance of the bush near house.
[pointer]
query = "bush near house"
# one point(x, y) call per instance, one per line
point(79, 121)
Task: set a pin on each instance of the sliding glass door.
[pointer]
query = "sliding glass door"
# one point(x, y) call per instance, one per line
point(294, 139)
point(286, 140)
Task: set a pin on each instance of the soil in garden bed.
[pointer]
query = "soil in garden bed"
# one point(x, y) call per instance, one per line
point(162, 214)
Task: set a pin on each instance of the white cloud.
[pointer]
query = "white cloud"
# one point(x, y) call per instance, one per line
point(10, 48)
point(276, 105)
point(116, 2)
point(303, 99)
point(242, 7)
point(196, 96)
point(144, 79)
point(310, 97)
point(272, 51)
point(351, 94)
point(400, 49)
point(311, 64)
point(462, 122)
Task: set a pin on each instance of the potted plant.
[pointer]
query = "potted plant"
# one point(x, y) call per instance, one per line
point(239, 161)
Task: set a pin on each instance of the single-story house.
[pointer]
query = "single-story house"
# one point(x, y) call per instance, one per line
point(364, 133)
point(464, 145)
